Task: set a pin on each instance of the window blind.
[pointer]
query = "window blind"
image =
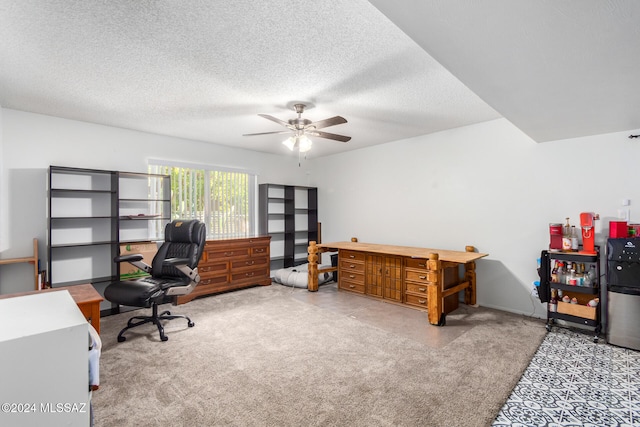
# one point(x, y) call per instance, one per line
point(223, 199)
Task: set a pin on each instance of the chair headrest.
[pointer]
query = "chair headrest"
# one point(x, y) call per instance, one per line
point(185, 231)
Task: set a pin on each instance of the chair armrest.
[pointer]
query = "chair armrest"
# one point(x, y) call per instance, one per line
point(182, 265)
point(135, 260)
point(175, 261)
point(128, 258)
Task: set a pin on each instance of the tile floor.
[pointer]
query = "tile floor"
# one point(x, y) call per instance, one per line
point(573, 381)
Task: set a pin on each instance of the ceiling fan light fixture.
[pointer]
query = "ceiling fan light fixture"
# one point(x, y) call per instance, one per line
point(301, 141)
point(290, 142)
point(304, 143)
point(302, 127)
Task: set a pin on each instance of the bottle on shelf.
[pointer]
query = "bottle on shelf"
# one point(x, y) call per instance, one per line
point(574, 239)
point(561, 275)
point(572, 278)
point(553, 302)
point(592, 274)
point(566, 237)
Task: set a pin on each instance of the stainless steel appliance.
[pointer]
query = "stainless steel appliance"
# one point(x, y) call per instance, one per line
point(623, 294)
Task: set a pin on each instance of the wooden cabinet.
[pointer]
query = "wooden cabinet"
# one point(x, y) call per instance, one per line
point(430, 279)
point(232, 264)
point(289, 214)
point(417, 279)
point(395, 278)
point(383, 276)
point(351, 271)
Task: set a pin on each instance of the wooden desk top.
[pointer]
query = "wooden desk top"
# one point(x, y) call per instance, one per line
point(85, 293)
point(407, 251)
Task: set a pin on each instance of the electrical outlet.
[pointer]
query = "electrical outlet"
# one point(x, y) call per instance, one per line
point(534, 292)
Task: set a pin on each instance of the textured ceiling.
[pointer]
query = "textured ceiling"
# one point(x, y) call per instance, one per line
point(203, 70)
point(555, 69)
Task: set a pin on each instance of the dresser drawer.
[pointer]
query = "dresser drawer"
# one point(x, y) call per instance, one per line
point(249, 275)
point(347, 265)
point(261, 250)
point(216, 280)
point(353, 276)
point(350, 286)
point(423, 276)
point(417, 300)
point(216, 254)
point(250, 262)
point(450, 302)
point(352, 255)
point(419, 263)
point(416, 288)
point(212, 269)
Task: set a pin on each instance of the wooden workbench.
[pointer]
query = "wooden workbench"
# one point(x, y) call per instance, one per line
point(421, 277)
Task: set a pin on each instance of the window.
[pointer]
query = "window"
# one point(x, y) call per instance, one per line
point(224, 199)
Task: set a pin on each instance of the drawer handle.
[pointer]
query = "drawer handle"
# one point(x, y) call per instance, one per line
point(422, 289)
point(422, 265)
point(260, 250)
point(352, 256)
point(228, 253)
point(422, 277)
point(422, 301)
point(351, 276)
point(250, 262)
point(249, 274)
point(206, 268)
point(352, 286)
point(352, 266)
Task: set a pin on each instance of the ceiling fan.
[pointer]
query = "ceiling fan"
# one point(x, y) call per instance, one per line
point(303, 128)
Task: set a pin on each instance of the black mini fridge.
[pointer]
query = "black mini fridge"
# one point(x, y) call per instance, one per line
point(623, 292)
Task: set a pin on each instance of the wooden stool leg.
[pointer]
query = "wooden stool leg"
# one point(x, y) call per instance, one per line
point(434, 292)
point(312, 282)
point(470, 276)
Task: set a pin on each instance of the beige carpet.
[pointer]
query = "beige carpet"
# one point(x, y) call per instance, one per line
point(266, 357)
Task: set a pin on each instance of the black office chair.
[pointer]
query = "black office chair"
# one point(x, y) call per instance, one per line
point(174, 272)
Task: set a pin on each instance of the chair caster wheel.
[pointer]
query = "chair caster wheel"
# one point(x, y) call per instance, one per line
point(443, 320)
point(164, 338)
point(191, 324)
point(549, 328)
point(122, 339)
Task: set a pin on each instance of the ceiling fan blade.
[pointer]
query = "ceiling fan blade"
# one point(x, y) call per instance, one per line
point(337, 120)
point(265, 133)
point(274, 119)
point(328, 135)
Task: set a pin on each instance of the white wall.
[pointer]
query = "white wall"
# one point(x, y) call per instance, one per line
point(33, 142)
point(486, 185)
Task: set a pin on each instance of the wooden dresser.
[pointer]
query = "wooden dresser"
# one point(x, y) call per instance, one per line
point(232, 264)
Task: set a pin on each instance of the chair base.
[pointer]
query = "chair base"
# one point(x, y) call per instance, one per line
point(155, 318)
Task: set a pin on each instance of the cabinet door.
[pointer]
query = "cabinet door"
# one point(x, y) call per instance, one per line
point(393, 278)
point(383, 276)
point(374, 275)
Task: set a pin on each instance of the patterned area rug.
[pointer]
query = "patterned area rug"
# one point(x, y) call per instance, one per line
point(573, 381)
